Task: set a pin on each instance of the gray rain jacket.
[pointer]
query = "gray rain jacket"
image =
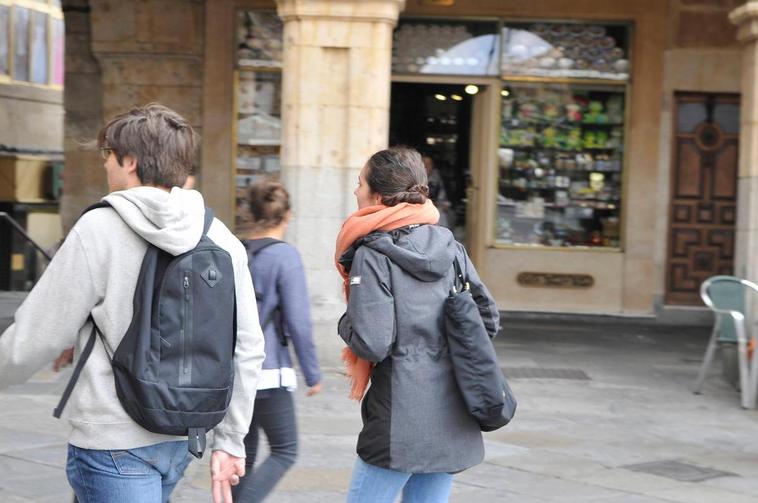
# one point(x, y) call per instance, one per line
point(414, 418)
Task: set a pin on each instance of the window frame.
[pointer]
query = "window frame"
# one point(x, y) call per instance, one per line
point(52, 12)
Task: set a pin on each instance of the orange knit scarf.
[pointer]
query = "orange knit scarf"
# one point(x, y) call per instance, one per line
point(357, 225)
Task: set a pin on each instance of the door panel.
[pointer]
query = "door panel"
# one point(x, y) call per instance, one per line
point(703, 193)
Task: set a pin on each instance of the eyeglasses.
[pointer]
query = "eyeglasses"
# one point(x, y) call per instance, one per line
point(106, 152)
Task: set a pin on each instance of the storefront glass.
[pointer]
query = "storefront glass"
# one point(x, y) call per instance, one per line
point(21, 46)
point(445, 47)
point(561, 148)
point(40, 50)
point(4, 38)
point(566, 50)
point(560, 165)
point(258, 101)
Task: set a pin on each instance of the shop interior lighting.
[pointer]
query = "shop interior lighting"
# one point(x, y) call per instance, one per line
point(505, 92)
point(456, 97)
point(471, 89)
point(440, 97)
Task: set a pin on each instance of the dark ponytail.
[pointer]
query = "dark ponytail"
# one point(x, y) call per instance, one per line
point(398, 175)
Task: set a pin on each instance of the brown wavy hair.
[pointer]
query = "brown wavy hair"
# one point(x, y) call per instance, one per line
point(398, 175)
point(161, 140)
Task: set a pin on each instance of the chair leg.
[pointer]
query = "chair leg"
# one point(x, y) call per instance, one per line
point(708, 358)
point(752, 391)
point(739, 325)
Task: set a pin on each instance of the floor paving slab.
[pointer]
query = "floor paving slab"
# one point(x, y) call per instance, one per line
point(568, 442)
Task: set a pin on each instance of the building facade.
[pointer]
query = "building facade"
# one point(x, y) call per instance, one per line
point(589, 152)
point(31, 133)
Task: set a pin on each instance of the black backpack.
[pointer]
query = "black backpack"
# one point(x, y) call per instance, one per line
point(253, 247)
point(174, 367)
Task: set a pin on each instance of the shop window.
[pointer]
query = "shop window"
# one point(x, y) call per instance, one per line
point(4, 38)
point(39, 49)
point(566, 50)
point(59, 51)
point(258, 98)
point(560, 164)
point(21, 43)
point(31, 42)
point(445, 48)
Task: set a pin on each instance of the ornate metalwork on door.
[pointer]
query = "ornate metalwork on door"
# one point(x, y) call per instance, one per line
point(703, 193)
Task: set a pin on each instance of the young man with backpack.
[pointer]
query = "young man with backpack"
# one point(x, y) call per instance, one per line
point(157, 299)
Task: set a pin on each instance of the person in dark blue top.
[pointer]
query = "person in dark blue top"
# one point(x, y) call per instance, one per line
point(284, 312)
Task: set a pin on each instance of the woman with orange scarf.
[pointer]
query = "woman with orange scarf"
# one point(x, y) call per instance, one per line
point(397, 268)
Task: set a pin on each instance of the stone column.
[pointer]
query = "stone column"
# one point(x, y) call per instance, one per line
point(119, 55)
point(746, 252)
point(335, 114)
point(83, 176)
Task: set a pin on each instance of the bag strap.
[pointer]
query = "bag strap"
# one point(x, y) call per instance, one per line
point(254, 246)
point(99, 204)
point(209, 216)
point(460, 283)
point(196, 441)
point(78, 369)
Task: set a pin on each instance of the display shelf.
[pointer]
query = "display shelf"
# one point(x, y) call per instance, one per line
point(567, 193)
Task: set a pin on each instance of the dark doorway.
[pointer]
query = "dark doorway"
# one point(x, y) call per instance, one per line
point(436, 120)
point(703, 193)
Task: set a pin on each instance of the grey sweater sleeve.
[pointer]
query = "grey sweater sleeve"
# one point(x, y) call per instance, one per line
point(368, 326)
point(50, 318)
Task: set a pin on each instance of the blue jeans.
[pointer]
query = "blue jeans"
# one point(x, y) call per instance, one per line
point(142, 475)
point(372, 484)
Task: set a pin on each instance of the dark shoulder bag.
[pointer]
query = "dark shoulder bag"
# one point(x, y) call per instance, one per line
point(482, 384)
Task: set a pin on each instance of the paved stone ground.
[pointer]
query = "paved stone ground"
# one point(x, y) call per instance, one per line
point(573, 440)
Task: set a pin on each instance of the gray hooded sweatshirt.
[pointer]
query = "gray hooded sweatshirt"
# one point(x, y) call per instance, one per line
point(95, 271)
point(414, 418)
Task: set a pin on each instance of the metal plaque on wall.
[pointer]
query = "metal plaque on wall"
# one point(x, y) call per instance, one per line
point(555, 280)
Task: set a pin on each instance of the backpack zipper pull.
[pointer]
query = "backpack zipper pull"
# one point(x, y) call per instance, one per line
point(186, 287)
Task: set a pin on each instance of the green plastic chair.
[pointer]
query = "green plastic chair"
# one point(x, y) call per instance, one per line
point(726, 296)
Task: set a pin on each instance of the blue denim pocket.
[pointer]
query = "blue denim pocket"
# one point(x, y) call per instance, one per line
point(129, 464)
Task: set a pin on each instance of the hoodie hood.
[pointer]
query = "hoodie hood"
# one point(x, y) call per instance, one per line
point(172, 221)
point(426, 252)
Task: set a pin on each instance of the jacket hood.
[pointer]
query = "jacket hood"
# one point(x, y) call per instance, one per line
point(426, 252)
point(172, 221)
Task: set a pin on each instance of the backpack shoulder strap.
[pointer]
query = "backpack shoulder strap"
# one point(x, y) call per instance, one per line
point(78, 369)
point(254, 246)
point(99, 204)
point(209, 216)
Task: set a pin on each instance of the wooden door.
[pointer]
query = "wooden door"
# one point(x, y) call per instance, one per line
point(702, 212)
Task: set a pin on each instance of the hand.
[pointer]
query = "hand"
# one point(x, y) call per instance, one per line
point(316, 388)
point(226, 471)
point(64, 359)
